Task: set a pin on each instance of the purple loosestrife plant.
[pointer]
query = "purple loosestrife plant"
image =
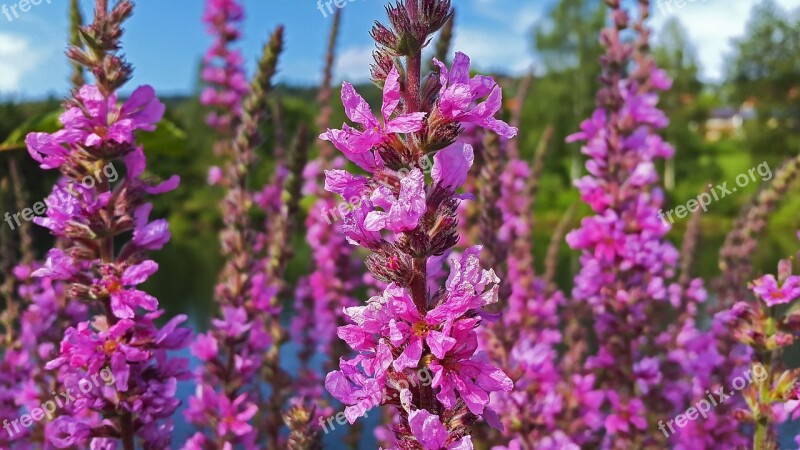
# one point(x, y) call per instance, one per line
point(25, 384)
point(523, 341)
point(643, 367)
point(768, 326)
point(322, 296)
point(121, 337)
point(409, 331)
point(223, 67)
point(233, 351)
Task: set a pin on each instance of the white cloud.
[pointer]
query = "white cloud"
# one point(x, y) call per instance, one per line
point(506, 51)
point(17, 58)
point(502, 40)
point(353, 64)
point(711, 25)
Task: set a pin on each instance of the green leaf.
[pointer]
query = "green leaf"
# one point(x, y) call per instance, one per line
point(46, 123)
point(167, 139)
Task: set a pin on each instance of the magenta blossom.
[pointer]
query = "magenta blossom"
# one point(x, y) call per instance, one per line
point(235, 415)
point(353, 142)
point(624, 416)
point(401, 213)
point(432, 434)
point(98, 120)
point(451, 166)
point(459, 94)
point(124, 299)
point(768, 289)
point(448, 330)
point(149, 235)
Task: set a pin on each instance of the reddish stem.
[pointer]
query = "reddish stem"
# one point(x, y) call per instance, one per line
point(100, 8)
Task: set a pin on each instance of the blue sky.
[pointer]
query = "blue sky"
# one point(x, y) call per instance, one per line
point(165, 39)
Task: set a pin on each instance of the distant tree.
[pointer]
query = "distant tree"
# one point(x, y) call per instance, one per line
point(675, 53)
point(766, 60)
point(567, 46)
point(765, 68)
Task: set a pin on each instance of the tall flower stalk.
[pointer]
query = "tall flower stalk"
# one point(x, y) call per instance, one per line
point(416, 348)
point(122, 340)
point(768, 326)
point(229, 383)
point(523, 341)
point(321, 297)
point(627, 264)
point(223, 66)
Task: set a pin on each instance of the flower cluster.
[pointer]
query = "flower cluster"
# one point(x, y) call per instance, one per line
point(223, 67)
point(524, 340)
point(47, 314)
point(121, 333)
point(233, 352)
point(627, 264)
point(321, 297)
point(768, 330)
point(406, 221)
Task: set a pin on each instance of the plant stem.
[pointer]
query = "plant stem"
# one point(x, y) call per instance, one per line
point(419, 293)
point(108, 257)
point(126, 428)
point(761, 419)
point(414, 75)
point(101, 8)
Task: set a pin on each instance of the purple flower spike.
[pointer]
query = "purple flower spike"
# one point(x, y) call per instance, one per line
point(123, 345)
point(415, 331)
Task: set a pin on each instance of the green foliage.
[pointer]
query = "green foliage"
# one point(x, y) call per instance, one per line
point(766, 62)
point(566, 42)
point(46, 123)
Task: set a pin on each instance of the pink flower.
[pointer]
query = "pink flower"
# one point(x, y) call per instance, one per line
point(432, 434)
point(623, 416)
point(205, 347)
point(451, 166)
point(83, 348)
point(361, 389)
point(353, 142)
point(102, 120)
point(459, 94)
point(590, 129)
point(69, 207)
point(65, 432)
point(58, 266)
point(350, 187)
point(401, 212)
point(51, 150)
point(466, 374)
point(125, 300)
point(214, 175)
point(767, 289)
point(234, 322)
point(149, 235)
point(235, 415)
